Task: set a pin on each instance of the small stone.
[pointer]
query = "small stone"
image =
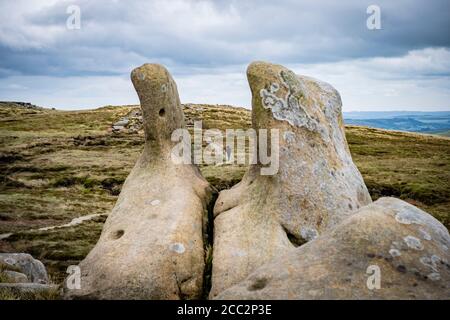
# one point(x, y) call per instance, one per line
point(121, 123)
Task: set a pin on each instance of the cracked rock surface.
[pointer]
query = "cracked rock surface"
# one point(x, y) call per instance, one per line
point(406, 247)
point(316, 187)
point(152, 244)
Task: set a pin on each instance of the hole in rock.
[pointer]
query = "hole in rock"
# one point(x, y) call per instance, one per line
point(295, 240)
point(117, 234)
point(162, 112)
point(401, 268)
point(258, 284)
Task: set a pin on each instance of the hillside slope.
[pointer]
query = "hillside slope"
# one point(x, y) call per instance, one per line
point(59, 165)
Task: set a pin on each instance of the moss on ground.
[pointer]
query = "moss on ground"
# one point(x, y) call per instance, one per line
point(14, 294)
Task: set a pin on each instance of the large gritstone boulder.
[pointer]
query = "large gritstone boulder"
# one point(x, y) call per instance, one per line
point(387, 250)
point(316, 186)
point(22, 267)
point(152, 245)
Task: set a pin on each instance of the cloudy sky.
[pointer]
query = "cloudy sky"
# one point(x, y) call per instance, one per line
point(207, 45)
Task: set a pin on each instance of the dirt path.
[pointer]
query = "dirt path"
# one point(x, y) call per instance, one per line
point(73, 222)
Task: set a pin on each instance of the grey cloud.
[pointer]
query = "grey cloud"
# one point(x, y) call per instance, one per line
point(115, 36)
point(406, 64)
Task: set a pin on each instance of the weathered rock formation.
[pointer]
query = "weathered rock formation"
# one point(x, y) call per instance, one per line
point(21, 273)
point(316, 187)
point(301, 228)
point(151, 246)
point(404, 246)
point(22, 267)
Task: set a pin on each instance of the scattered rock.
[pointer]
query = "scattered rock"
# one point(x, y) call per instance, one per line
point(117, 128)
point(341, 263)
point(136, 113)
point(20, 104)
point(121, 125)
point(122, 122)
point(33, 269)
point(152, 244)
point(131, 123)
point(316, 187)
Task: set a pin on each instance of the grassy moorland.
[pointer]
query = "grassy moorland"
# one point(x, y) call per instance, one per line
point(59, 165)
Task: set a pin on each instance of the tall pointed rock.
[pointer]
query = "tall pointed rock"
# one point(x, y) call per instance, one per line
point(316, 186)
point(152, 244)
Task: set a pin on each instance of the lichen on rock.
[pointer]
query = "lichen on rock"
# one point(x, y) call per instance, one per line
point(334, 266)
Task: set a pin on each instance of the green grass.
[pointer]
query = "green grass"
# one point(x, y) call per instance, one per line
point(60, 247)
point(55, 166)
point(11, 294)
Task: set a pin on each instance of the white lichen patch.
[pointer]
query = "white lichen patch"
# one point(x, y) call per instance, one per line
point(396, 245)
point(408, 217)
point(288, 108)
point(434, 276)
point(413, 242)
point(435, 259)
point(308, 233)
point(239, 253)
point(153, 202)
point(395, 252)
point(431, 262)
point(274, 87)
point(289, 137)
point(177, 247)
point(425, 235)
point(409, 214)
point(141, 76)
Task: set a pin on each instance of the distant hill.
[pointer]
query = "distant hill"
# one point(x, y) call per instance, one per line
point(424, 122)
